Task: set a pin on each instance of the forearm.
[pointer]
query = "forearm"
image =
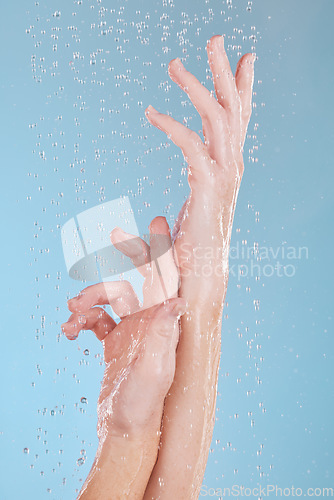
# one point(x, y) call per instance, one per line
point(121, 468)
point(140, 364)
point(188, 421)
point(203, 235)
point(189, 413)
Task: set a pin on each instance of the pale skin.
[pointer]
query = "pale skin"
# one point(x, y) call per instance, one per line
point(139, 354)
point(201, 244)
point(204, 227)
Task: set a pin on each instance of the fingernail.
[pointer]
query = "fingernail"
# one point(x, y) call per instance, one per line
point(117, 229)
point(150, 110)
point(179, 63)
point(73, 300)
point(159, 225)
point(115, 233)
point(253, 58)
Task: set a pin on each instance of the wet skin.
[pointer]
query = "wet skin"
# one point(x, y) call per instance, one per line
point(215, 169)
point(139, 354)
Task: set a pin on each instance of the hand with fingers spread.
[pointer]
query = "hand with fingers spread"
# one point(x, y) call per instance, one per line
point(201, 237)
point(139, 354)
point(215, 166)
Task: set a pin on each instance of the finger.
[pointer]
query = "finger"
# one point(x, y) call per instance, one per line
point(133, 247)
point(244, 78)
point(214, 120)
point(193, 149)
point(200, 96)
point(223, 78)
point(95, 319)
point(119, 294)
point(165, 278)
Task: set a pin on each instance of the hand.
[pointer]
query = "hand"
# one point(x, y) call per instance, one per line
point(215, 167)
point(139, 353)
point(201, 237)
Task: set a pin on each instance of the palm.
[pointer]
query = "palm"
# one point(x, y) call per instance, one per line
point(121, 396)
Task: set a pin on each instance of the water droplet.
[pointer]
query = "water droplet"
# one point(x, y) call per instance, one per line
point(82, 319)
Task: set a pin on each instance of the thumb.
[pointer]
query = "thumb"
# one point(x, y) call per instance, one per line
point(165, 320)
point(156, 364)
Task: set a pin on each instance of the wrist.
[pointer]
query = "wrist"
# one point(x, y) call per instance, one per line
point(122, 467)
point(116, 446)
point(220, 184)
point(128, 426)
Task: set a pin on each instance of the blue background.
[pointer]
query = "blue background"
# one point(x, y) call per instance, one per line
point(74, 135)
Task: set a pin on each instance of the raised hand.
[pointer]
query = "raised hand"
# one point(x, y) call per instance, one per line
point(201, 237)
point(215, 167)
